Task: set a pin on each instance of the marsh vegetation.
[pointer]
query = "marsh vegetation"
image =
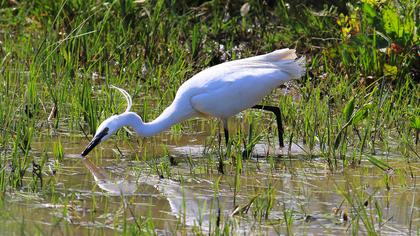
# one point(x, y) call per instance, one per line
point(351, 161)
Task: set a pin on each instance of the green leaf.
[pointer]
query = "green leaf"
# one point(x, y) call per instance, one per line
point(391, 20)
point(352, 119)
point(378, 163)
point(338, 139)
point(360, 115)
point(369, 12)
point(390, 70)
point(415, 122)
point(393, 24)
point(348, 110)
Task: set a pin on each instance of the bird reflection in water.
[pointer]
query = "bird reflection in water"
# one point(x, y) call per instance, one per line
point(115, 187)
point(183, 202)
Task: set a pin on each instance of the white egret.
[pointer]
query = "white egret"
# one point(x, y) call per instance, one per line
point(220, 91)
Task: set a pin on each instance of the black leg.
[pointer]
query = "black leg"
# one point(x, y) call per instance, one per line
point(226, 131)
point(225, 128)
point(277, 112)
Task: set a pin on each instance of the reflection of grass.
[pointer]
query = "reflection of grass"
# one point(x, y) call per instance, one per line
point(359, 203)
point(360, 95)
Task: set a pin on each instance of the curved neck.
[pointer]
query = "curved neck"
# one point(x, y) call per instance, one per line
point(168, 118)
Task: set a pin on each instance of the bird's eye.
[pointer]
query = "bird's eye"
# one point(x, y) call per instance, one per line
point(103, 132)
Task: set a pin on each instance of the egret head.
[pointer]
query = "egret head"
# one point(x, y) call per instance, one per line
point(104, 131)
point(108, 126)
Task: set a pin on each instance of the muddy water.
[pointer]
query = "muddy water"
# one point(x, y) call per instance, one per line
point(98, 194)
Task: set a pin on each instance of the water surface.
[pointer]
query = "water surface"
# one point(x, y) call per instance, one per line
point(99, 194)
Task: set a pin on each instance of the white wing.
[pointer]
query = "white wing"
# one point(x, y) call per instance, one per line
point(237, 92)
point(231, 87)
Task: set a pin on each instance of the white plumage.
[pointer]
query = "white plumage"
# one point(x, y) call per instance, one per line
point(220, 91)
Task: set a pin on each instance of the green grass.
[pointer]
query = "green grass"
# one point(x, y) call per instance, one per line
point(57, 59)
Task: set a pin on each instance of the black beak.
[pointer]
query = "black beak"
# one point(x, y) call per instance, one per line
point(95, 141)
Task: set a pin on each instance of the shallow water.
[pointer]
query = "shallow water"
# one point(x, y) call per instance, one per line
point(95, 195)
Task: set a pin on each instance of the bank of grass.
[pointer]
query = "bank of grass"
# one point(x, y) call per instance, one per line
point(360, 94)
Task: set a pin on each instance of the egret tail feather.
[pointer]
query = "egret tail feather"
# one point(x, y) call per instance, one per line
point(295, 68)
